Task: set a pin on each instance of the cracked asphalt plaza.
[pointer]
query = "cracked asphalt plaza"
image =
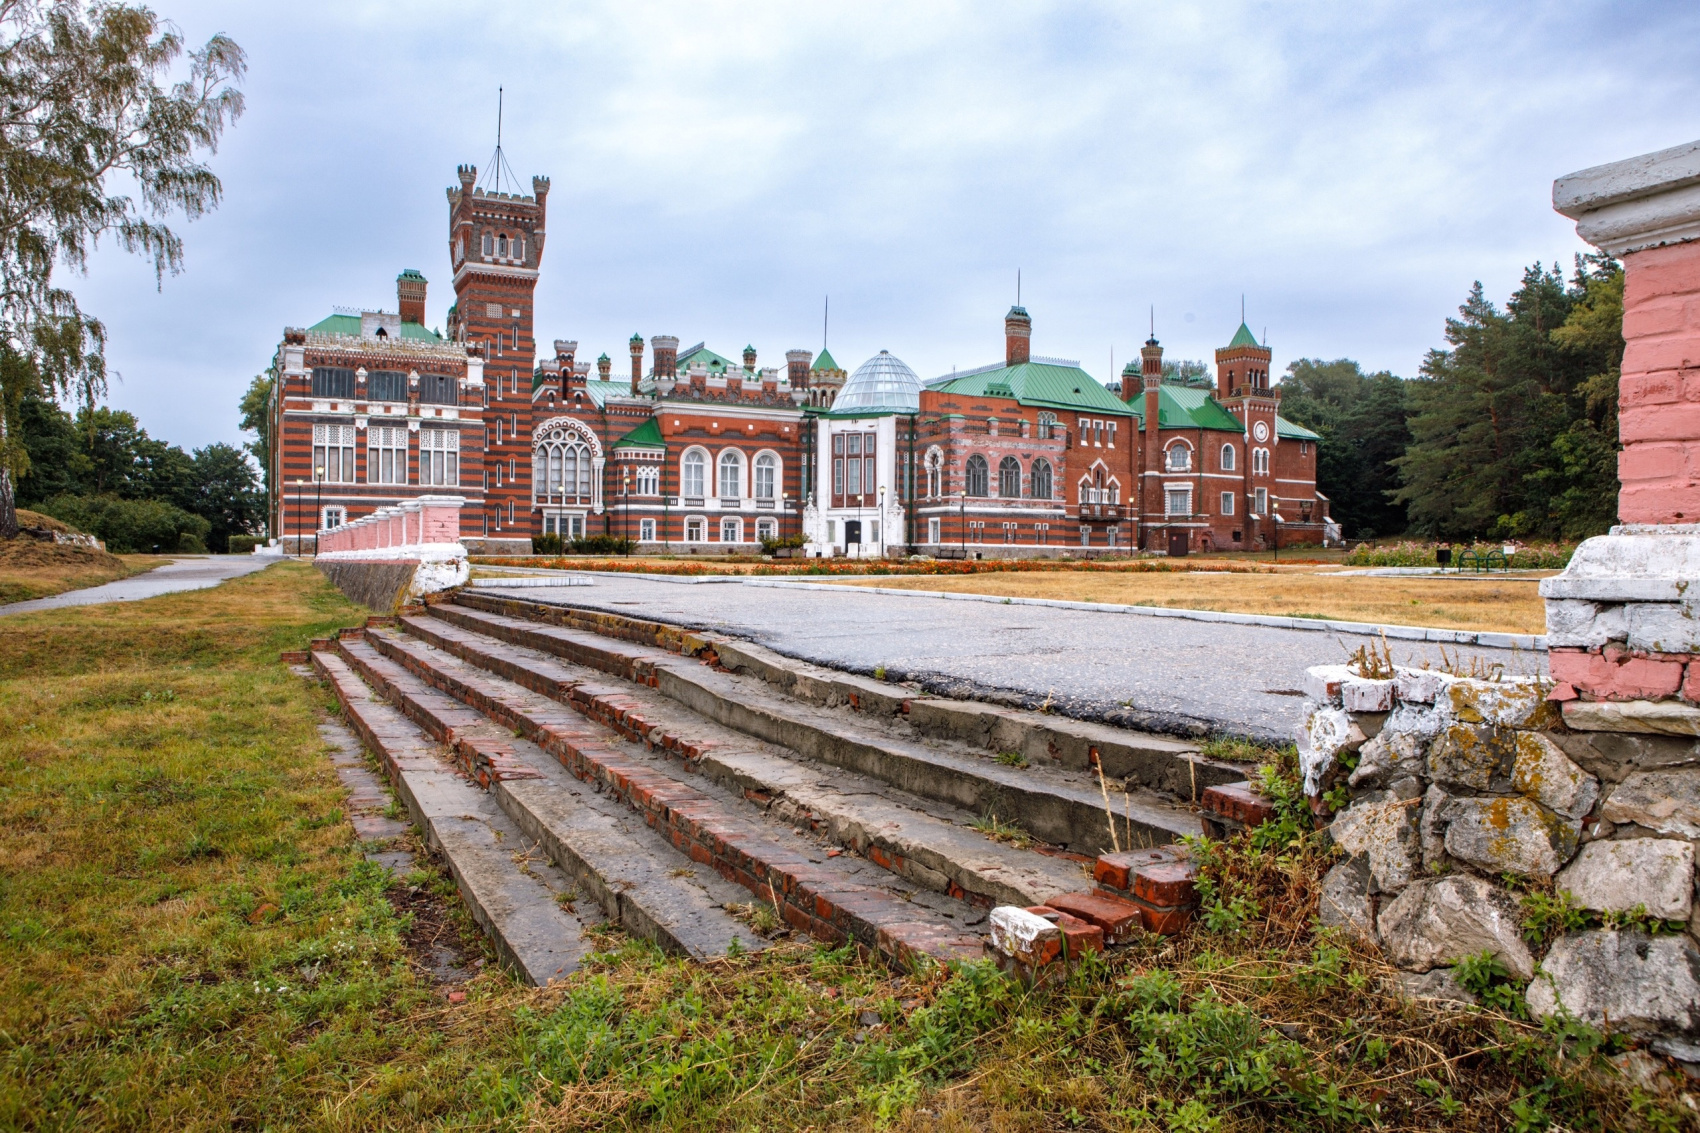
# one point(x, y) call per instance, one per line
point(1171, 672)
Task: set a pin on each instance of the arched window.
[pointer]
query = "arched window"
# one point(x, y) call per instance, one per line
point(767, 475)
point(1041, 479)
point(1180, 458)
point(1227, 458)
point(731, 474)
point(1009, 478)
point(560, 469)
point(489, 245)
point(1260, 461)
point(977, 475)
point(1047, 422)
point(935, 473)
point(692, 473)
point(501, 246)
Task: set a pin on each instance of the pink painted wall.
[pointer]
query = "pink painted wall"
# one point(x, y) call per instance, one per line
point(1659, 397)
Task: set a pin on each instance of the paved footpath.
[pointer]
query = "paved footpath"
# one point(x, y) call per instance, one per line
point(179, 574)
point(1168, 673)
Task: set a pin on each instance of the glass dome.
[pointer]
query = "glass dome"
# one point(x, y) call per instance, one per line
point(883, 382)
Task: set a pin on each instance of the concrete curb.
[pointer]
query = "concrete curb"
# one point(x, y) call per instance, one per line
point(1530, 642)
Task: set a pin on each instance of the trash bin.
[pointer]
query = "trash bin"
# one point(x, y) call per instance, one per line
point(1443, 555)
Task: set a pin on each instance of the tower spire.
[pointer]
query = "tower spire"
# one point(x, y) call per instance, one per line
point(499, 162)
point(1018, 287)
point(825, 314)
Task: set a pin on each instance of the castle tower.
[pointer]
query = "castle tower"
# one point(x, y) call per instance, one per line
point(797, 367)
point(1242, 366)
point(749, 359)
point(1017, 336)
point(637, 360)
point(496, 246)
point(666, 354)
point(1151, 440)
point(604, 368)
point(1243, 388)
point(410, 296)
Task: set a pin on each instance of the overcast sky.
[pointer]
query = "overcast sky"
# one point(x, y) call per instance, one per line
point(718, 168)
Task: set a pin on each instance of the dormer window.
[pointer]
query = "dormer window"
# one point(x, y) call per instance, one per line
point(382, 333)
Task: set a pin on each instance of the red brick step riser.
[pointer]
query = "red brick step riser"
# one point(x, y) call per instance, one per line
point(691, 822)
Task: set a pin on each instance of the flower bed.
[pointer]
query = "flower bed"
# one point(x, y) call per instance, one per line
point(855, 568)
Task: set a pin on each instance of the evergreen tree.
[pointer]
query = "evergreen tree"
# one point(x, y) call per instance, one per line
point(1514, 428)
point(1361, 419)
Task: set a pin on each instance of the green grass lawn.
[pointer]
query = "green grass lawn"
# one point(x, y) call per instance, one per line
point(190, 938)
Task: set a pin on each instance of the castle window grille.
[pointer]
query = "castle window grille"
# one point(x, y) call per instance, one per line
point(649, 481)
point(439, 457)
point(386, 385)
point(386, 455)
point(1047, 422)
point(1260, 462)
point(332, 381)
point(560, 469)
point(333, 453)
point(978, 475)
point(1041, 482)
point(1009, 478)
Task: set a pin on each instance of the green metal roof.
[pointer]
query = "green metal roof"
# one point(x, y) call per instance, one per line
point(1244, 337)
point(411, 273)
point(1186, 407)
point(1039, 383)
point(646, 435)
point(637, 338)
point(1292, 432)
point(350, 324)
point(825, 361)
point(603, 357)
point(715, 363)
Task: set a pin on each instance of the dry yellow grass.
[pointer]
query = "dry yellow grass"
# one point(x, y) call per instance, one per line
point(31, 569)
point(1505, 605)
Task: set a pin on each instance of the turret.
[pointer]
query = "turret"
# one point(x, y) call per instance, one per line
point(666, 353)
point(410, 296)
point(637, 360)
point(1017, 336)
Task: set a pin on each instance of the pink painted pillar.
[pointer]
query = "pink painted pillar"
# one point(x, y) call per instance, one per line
point(410, 523)
point(1622, 629)
point(439, 518)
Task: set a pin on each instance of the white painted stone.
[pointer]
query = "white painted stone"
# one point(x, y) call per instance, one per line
point(1576, 624)
point(1639, 202)
point(1419, 686)
point(1646, 717)
point(1436, 923)
point(1322, 683)
point(1667, 802)
point(1325, 733)
point(1361, 694)
point(1634, 563)
point(1544, 773)
point(1656, 874)
point(1664, 627)
point(1384, 831)
point(1020, 934)
point(1627, 981)
point(1509, 835)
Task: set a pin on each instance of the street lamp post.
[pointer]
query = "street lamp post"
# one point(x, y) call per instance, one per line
point(626, 507)
point(881, 521)
point(318, 506)
point(861, 540)
point(962, 522)
point(784, 510)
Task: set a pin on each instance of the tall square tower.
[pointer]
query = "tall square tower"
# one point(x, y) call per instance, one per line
point(496, 246)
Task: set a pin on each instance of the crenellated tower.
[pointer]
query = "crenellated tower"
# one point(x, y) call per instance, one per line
point(496, 246)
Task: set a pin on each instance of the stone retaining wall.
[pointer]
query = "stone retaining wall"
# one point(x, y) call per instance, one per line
point(1455, 797)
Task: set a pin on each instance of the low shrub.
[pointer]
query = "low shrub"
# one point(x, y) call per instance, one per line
point(546, 544)
point(244, 544)
point(789, 543)
point(603, 545)
point(1541, 556)
point(132, 526)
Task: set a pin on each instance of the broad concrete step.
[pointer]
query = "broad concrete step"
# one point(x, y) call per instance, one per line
point(1160, 763)
point(518, 908)
point(833, 899)
point(926, 843)
point(1063, 807)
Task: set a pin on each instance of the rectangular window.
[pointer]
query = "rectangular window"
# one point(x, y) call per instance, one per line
point(693, 530)
point(1042, 533)
point(386, 385)
point(838, 476)
point(854, 485)
point(1085, 536)
point(933, 530)
point(646, 530)
point(386, 454)
point(1110, 428)
point(874, 531)
point(333, 517)
point(439, 457)
point(869, 476)
point(437, 389)
point(332, 381)
point(854, 441)
point(1227, 503)
point(1179, 501)
point(832, 531)
point(1260, 501)
point(333, 453)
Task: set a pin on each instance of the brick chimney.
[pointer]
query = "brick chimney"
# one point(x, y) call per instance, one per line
point(797, 367)
point(1131, 385)
point(1017, 336)
point(637, 361)
point(410, 296)
point(666, 349)
point(1151, 378)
